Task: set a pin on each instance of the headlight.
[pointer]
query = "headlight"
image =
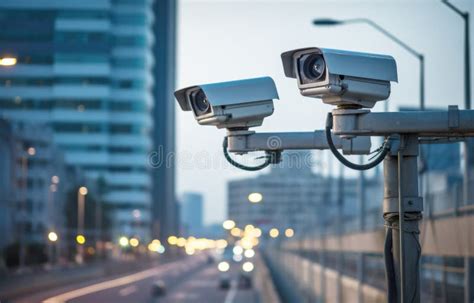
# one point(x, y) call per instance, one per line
point(223, 266)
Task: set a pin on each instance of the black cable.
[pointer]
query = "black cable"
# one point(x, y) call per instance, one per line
point(241, 166)
point(343, 160)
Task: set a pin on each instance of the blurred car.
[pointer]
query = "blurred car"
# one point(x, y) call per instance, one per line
point(158, 288)
point(244, 280)
point(224, 281)
point(210, 259)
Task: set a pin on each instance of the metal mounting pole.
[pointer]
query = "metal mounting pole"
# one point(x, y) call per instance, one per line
point(402, 249)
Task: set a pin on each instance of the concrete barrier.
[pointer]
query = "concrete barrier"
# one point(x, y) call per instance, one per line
point(264, 283)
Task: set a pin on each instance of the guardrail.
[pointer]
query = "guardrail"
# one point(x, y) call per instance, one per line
point(264, 282)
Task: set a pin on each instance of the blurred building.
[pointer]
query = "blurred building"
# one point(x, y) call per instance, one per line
point(7, 183)
point(33, 184)
point(85, 68)
point(165, 216)
point(191, 212)
point(295, 197)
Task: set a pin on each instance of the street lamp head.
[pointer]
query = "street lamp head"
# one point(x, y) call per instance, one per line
point(55, 179)
point(83, 190)
point(123, 241)
point(228, 224)
point(80, 239)
point(31, 151)
point(8, 61)
point(326, 22)
point(52, 236)
point(255, 197)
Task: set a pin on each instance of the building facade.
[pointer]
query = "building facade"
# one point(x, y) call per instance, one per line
point(34, 182)
point(191, 212)
point(85, 69)
point(165, 214)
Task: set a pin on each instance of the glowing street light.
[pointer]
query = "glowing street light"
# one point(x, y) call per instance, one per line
point(55, 179)
point(172, 240)
point(31, 151)
point(289, 232)
point(123, 241)
point(80, 239)
point(255, 197)
point(8, 61)
point(83, 190)
point(52, 236)
point(274, 232)
point(235, 232)
point(134, 242)
point(228, 224)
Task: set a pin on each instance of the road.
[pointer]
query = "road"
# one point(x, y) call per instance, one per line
point(190, 280)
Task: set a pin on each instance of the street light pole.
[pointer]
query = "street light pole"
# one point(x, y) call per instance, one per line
point(418, 55)
point(81, 193)
point(468, 174)
point(30, 152)
point(468, 159)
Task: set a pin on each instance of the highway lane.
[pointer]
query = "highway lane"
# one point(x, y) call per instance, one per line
point(204, 287)
point(189, 280)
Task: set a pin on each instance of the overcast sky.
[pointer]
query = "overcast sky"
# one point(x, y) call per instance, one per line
point(221, 40)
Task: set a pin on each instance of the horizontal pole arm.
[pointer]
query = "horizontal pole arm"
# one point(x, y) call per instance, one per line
point(452, 122)
point(243, 142)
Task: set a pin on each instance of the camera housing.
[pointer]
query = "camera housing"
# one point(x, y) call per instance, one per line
point(341, 78)
point(233, 105)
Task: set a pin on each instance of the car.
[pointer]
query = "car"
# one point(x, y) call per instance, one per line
point(224, 282)
point(244, 281)
point(210, 259)
point(158, 288)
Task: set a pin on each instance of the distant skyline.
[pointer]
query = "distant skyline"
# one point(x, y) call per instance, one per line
point(227, 40)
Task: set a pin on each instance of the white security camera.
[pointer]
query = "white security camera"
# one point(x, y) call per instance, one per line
point(233, 105)
point(341, 77)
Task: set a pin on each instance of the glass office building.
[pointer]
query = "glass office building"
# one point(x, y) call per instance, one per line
point(85, 68)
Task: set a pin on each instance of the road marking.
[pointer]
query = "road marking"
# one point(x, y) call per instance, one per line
point(109, 284)
point(128, 291)
point(231, 293)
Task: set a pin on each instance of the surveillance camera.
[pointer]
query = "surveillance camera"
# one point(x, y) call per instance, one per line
point(341, 77)
point(233, 105)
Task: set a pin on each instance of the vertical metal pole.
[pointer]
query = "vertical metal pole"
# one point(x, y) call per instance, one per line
point(361, 197)
point(401, 226)
point(23, 208)
point(468, 159)
point(98, 226)
point(467, 61)
point(340, 230)
point(361, 214)
point(422, 81)
point(402, 267)
point(80, 223)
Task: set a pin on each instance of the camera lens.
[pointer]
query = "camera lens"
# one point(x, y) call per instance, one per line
point(312, 68)
point(200, 103)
